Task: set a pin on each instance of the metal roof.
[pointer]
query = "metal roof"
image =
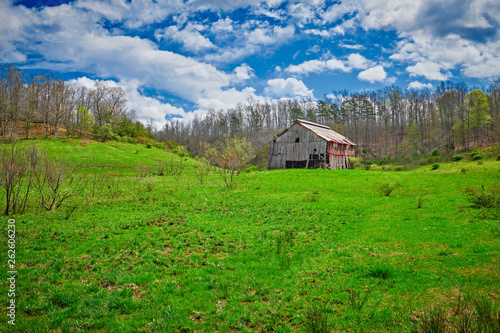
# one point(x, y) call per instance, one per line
point(324, 132)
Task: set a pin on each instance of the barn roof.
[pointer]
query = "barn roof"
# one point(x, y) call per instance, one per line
point(323, 132)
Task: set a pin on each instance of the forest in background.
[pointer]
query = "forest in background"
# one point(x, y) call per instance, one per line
point(386, 122)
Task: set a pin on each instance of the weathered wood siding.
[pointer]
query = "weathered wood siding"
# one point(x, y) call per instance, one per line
point(339, 155)
point(286, 148)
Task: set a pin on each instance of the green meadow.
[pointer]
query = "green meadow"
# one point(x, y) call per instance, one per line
point(284, 251)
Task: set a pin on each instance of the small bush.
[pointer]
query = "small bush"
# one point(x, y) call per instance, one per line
point(385, 160)
point(354, 162)
point(399, 168)
point(483, 198)
point(149, 146)
point(476, 156)
point(435, 166)
point(458, 157)
point(380, 272)
point(386, 188)
point(436, 152)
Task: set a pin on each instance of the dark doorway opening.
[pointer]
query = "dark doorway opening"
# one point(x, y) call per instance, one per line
point(295, 164)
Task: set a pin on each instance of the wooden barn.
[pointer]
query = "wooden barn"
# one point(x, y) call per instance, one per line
point(309, 145)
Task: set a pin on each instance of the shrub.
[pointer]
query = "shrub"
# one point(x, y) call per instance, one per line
point(148, 145)
point(385, 160)
point(483, 198)
point(476, 156)
point(144, 140)
point(458, 157)
point(399, 168)
point(380, 272)
point(436, 152)
point(435, 166)
point(354, 162)
point(386, 188)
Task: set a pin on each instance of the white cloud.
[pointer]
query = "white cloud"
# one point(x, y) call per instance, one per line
point(225, 99)
point(352, 46)
point(419, 85)
point(243, 72)
point(374, 74)
point(190, 37)
point(453, 33)
point(268, 36)
point(356, 60)
point(317, 66)
point(222, 25)
point(291, 87)
point(429, 70)
point(335, 31)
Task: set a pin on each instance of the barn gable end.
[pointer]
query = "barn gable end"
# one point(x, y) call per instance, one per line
point(309, 145)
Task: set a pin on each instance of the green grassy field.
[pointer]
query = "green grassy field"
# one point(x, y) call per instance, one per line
point(285, 251)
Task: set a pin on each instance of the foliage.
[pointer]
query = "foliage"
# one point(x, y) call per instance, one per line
point(105, 132)
point(458, 157)
point(354, 162)
point(385, 160)
point(86, 120)
point(435, 166)
point(436, 152)
point(476, 156)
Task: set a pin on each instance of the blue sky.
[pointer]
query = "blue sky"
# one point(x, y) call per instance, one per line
point(177, 57)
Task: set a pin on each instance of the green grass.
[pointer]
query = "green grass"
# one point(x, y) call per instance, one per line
point(287, 250)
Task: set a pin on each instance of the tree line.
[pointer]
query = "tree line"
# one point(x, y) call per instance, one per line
point(28, 101)
point(385, 122)
point(389, 121)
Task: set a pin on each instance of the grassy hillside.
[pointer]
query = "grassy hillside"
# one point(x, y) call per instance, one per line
point(286, 251)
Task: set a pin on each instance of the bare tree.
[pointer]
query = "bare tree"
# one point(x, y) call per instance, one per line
point(236, 153)
point(17, 167)
point(56, 182)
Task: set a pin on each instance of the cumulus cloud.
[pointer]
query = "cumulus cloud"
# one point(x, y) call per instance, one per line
point(456, 34)
point(317, 66)
point(427, 69)
point(268, 35)
point(291, 88)
point(190, 37)
point(222, 25)
point(419, 85)
point(374, 74)
point(243, 73)
point(356, 60)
